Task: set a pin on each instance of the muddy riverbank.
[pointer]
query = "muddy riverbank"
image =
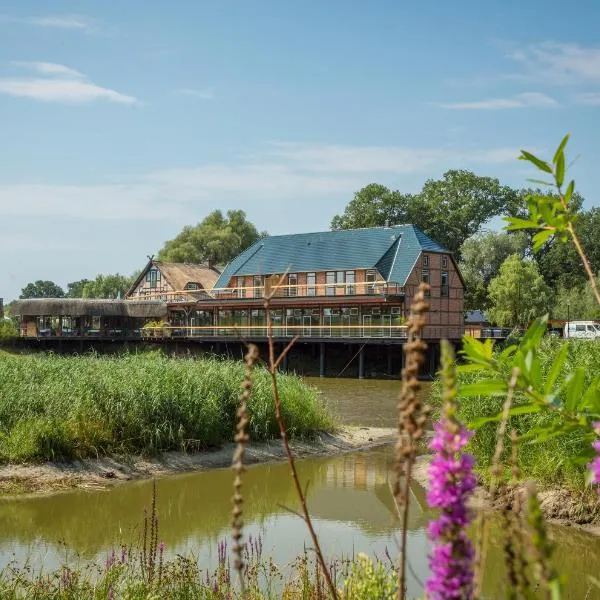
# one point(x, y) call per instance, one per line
point(18, 479)
point(571, 508)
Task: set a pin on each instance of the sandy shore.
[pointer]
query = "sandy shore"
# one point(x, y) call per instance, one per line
point(18, 479)
point(561, 506)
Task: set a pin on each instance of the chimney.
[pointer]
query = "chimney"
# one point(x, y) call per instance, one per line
point(210, 263)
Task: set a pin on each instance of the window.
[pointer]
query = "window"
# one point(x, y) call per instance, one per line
point(330, 279)
point(192, 285)
point(444, 262)
point(292, 289)
point(370, 279)
point(580, 328)
point(425, 260)
point(425, 278)
point(591, 328)
point(153, 277)
point(445, 289)
point(241, 291)
point(257, 284)
point(311, 281)
point(350, 279)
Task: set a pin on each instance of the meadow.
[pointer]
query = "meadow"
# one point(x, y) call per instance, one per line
point(65, 407)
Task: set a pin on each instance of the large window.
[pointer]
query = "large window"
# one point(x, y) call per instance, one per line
point(370, 279)
point(330, 279)
point(258, 285)
point(292, 289)
point(445, 289)
point(153, 277)
point(311, 282)
point(350, 279)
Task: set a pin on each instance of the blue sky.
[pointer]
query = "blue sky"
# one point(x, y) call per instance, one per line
point(124, 121)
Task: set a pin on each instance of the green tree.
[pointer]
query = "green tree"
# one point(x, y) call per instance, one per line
point(75, 288)
point(575, 303)
point(107, 286)
point(561, 265)
point(8, 329)
point(42, 289)
point(518, 294)
point(481, 257)
point(449, 210)
point(217, 239)
point(372, 206)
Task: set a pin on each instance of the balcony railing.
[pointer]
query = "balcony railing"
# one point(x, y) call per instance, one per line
point(366, 288)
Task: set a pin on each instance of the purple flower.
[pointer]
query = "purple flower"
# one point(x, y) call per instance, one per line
point(594, 466)
point(451, 481)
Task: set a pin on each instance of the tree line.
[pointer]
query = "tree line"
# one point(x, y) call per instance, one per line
point(460, 211)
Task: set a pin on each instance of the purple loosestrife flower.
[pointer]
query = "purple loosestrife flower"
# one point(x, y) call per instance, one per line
point(451, 481)
point(594, 466)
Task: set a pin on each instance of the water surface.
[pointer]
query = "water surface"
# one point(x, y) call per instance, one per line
point(349, 498)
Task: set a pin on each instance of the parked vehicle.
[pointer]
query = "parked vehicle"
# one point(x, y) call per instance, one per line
point(582, 330)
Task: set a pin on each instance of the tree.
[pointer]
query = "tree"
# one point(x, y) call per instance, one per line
point(75, 288)
point(372, 206)
point(217, 239)
point(42, 289)
point(518, 293)
point(449, 210)
point(481, 257)
point(107, 286)
point(560, 263)
point(575, 303)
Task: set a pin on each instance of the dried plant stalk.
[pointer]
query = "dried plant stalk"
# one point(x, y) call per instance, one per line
point(496, 472)
point(305, 515)
point(241, 438)
point(412, 416)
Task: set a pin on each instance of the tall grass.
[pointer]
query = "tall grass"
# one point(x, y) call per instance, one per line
point(554, 461)
point(63, 407)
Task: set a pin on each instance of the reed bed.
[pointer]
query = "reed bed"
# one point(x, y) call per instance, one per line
point(64, 407)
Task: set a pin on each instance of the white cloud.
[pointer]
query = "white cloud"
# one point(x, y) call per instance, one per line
point(285, 178)
point(524, 100)
point(557, 63)
point(61, 84)
point(203, 94)
point(55, 21)
point(589, 99)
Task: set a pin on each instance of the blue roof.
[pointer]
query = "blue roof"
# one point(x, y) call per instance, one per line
point(476, 316)
point(393, 251)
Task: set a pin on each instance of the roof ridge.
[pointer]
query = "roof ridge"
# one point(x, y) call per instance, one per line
point(280, 235)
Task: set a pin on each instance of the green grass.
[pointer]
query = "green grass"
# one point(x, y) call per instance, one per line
point(552, 462)
point(64, 407)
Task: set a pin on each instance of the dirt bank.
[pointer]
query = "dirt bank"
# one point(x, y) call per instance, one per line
point(18, 479)
point(562, 506)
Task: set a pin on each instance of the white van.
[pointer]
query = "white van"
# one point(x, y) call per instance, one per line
point(582, 330)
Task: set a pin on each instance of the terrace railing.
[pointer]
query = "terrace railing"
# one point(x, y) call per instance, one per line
point(365, 288)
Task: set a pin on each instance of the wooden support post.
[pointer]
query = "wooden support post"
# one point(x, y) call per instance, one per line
point(361, 363)
point(390, 364)
point(322, 366)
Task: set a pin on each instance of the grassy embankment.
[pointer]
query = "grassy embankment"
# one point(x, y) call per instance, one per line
point(65, 407)
point(552, 462)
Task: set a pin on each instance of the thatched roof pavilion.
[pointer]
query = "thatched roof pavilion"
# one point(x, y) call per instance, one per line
point(80, 307)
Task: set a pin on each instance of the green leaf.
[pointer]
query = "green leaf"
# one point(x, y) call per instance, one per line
point(525, 409)
point(575, 389)
point(560, 149)
point(541, 237)
point(487, 387)
point(560, 169)
point(476, 351)
point(591, 399)
point(515, 223)
point(541, 182)
point(556, 368)
point(569, 193)
point(535, 332)
point(540, 164)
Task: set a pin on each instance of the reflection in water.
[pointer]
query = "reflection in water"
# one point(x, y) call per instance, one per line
point(349, 498)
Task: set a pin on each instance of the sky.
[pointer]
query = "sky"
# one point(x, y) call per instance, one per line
point(124, 121)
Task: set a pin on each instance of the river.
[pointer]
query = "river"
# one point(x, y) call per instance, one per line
point(349, 499)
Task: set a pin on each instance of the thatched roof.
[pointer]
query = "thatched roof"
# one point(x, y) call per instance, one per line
point(178, 275)
point(79, 307)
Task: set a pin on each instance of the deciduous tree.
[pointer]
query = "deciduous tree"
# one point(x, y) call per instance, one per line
point(42, 289)
point(518, 293)
point(217, 239)
point(107, 286)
